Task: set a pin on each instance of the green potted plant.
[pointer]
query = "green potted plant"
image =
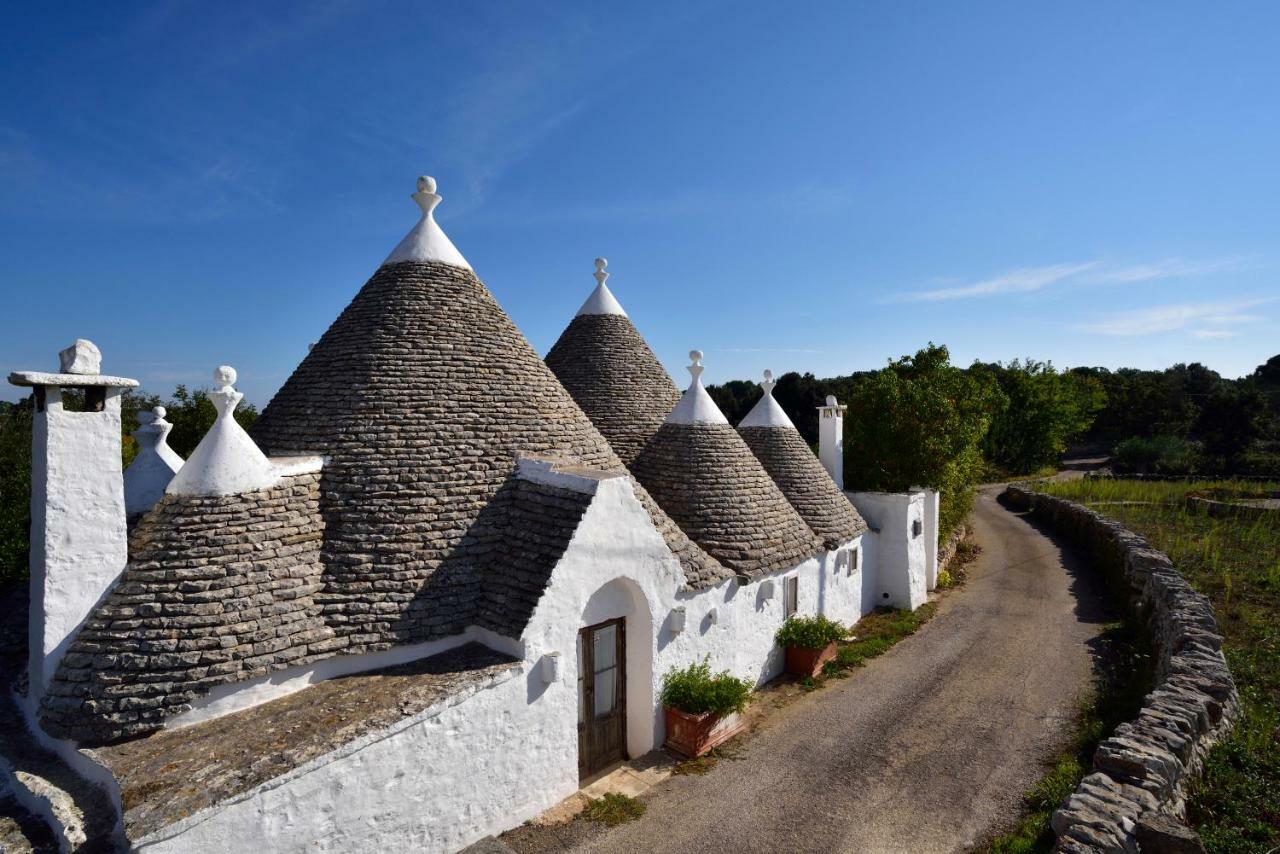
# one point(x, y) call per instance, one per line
point(810, 643)
point(702, 710)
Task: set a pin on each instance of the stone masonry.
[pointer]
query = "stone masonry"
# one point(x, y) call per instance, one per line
point(217, 590)
point(1140, 772)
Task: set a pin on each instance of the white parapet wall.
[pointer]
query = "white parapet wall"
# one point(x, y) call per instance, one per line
point(902, 553)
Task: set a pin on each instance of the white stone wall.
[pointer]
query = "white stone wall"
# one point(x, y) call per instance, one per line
point(487, 762)
point(78, 538)
point(901, 552)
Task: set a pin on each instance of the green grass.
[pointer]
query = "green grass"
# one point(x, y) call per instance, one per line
point(875, 633)
point(614, 808)
point(1236, 563)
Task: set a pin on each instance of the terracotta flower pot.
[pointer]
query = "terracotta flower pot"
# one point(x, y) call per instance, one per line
point(694, 735)
point(803, 662)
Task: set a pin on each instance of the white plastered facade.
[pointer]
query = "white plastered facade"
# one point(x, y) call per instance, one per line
point(483, 763)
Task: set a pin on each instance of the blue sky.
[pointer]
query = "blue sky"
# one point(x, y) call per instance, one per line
point(817, 186)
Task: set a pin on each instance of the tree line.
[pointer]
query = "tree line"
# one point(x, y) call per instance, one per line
point(921, 421)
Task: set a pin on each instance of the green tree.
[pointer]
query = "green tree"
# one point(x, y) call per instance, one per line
point(1046, 410)
point(1228, 425)
point(920, 422)
point(15, 490)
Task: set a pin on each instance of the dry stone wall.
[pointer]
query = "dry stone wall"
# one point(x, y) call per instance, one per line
point(1140, 772)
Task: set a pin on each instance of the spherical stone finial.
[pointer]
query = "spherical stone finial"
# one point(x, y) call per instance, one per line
point(768, 375)
point(224, 376)
point(601, 263)
point(426, 184)
point(696, 355)
point(831, 400)
point(159, 412)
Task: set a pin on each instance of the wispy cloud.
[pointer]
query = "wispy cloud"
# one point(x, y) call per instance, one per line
point(1029, 279)
point(765, 350)
point(1021, 280)
point(1208, 317)
point(1214, 334)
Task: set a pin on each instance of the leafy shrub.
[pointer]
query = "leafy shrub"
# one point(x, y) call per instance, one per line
point(1155, 455)
point(809, 632)
point(694, 690)
point(945, 580)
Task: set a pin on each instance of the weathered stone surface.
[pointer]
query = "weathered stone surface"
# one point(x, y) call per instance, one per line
point(421, 394)
point(82, 357)
point(1160, 833)
point(217, 589)
point(1143, 767)
point(805, 483)
point(613, 375)
point(175, 773)
point(706, 477)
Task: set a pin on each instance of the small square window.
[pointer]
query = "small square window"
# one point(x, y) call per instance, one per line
point(916, 527)
point(790, 596)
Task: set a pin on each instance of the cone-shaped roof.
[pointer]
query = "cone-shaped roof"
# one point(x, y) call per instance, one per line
point(611, 372)
point(421, 394)
point(782, 451)
point(703, 474)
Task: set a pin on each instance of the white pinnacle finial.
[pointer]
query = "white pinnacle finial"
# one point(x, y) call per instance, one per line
point(601, 300)
point(696, 406)
point(226, 462)
point(427, 242)
point(151, 471)
point(767, 412)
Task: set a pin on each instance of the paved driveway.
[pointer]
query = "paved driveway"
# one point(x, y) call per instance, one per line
point(926, 749)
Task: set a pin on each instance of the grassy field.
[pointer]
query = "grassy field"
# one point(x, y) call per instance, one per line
point(1236, 563)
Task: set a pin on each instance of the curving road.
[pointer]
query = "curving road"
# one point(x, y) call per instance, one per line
point(929, 747)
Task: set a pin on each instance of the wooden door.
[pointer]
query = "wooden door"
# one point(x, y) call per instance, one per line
point(602, 707)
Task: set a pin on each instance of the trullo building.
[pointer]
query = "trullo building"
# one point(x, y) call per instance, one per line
point(363, 626)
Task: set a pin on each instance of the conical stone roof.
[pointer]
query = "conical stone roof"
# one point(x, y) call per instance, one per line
point(782, 451)
point(611, 372)
point(704, 475)
point(422, 394)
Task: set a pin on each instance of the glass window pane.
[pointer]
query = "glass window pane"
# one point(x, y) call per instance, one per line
point(605, 649)
point(605, 691)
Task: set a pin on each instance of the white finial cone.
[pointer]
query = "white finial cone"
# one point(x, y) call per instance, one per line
point(427, 242)
point(226, 462)
point(696, 406)
point(767, 412)
point(601, 300)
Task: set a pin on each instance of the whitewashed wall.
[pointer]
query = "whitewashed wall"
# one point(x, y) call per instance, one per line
point(486, 762)
point(901, 553)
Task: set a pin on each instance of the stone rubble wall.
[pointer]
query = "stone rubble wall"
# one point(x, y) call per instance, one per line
point(1141, 770)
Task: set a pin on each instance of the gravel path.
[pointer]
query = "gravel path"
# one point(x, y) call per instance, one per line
point(928, 748)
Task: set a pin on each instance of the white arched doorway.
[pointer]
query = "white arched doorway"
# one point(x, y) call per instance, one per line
point(615, 677)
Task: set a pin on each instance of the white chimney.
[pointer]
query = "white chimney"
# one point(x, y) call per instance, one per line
point(831, 439)
point(78, 540)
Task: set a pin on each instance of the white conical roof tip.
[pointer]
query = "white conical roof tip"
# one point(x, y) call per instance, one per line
point(427, 241)
point(226, 462)
point(601, 300)
point(767, 412)
point(696, 406)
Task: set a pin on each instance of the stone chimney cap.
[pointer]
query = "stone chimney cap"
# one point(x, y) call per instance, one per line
point(427, 242)
point(601, 300)
point(80, 366)
point(82, 357)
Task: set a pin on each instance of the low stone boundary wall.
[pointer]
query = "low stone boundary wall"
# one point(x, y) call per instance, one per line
point(1231, 509)
point(1137, 786)
point(1181, 478)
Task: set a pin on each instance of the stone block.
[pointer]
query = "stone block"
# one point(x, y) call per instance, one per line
point(82, 357)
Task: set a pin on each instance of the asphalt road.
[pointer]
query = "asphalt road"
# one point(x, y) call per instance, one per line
point(929, 747)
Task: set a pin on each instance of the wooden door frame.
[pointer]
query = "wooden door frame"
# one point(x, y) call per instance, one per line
point(587, 702)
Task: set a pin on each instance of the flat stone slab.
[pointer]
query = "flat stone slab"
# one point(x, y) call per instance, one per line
point(37, 378)
point(172, 774)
